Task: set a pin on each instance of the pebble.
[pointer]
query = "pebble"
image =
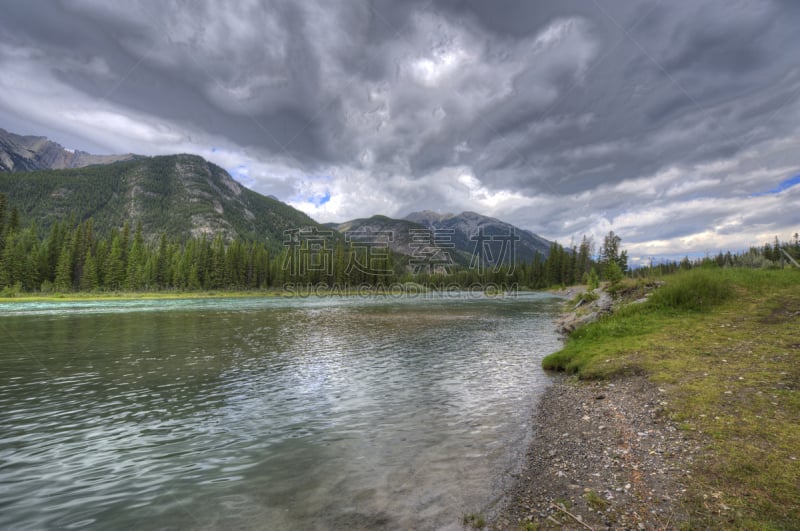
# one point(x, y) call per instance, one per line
point(620, 448)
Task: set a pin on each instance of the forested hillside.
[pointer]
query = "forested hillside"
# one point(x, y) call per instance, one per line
point(180, 196)
point(74, 255)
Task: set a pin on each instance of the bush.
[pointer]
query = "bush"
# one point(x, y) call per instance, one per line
point(586, 296)
point(9, 292)
point(694, 290)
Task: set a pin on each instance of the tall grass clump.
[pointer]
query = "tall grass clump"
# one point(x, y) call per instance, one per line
point(695, 290)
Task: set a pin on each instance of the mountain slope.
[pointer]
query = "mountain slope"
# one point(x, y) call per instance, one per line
point(471, 229)
point(180, 195)
point(401, 231)
point(462, 237)
point(30, 153)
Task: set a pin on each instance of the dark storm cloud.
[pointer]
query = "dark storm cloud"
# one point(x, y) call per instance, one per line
point(511, 107)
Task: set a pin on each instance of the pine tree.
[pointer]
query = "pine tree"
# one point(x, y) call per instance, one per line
point(193, 282)
point(217, 270)
point(2, 220)
point(125, 242)
point(78, 253)
point(553, 264)
point(27, 253)
point(63, 280)
point(582, 261)
point(614, 276)
point(13, 221)
point(162, 263)
point(54, 243)
point(622, 261)
point(594, 280)
point(89, 279)
point(150, 272)
point(134, 274)
point(41, 265)
point(114, 270)
point(100, 256)
point(7, 263)
point(265, 269)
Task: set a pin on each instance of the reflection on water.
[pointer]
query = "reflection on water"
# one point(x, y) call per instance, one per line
point(265, 413)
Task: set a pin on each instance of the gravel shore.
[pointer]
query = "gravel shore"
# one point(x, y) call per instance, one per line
point(603, 456)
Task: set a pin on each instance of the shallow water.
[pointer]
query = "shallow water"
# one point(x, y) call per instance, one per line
point(306, 413)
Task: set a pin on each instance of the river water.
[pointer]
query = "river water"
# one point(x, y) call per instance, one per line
point(303, 413)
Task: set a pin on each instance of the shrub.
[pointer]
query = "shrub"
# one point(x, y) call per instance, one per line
point(9, 292)
point(586, 296)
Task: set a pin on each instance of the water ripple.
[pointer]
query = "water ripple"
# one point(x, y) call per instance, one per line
point(255, 413)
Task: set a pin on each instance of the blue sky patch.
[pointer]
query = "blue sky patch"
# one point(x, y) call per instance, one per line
point(319, 199)
point(783, 185)
point(241, 173)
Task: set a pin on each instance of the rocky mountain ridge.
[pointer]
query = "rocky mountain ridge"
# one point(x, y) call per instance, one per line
point(471, 229)
point(31, 153)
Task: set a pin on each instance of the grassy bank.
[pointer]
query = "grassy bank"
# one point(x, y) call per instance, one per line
point(132, 295)
point(289, 291)
point(724, 344)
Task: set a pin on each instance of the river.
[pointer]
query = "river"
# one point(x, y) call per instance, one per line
point(266, 413)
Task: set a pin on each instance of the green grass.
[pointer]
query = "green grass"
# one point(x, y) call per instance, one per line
point(299, 291)
point(474, 520)
point(595, 501)
point(127, 295)
point(725, 345)
point(698, 290)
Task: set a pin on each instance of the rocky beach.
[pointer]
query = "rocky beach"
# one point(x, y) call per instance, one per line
point(603, 457)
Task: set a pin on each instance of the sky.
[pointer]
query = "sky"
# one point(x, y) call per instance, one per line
point(676, 124)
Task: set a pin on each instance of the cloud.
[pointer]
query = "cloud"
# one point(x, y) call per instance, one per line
point(673, 124)
point(783, 185)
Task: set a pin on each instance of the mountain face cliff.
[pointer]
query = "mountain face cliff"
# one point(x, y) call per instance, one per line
point(401, 231)
point(30, 153)
point(463, 238)
point(179, 195)
point(471, 229)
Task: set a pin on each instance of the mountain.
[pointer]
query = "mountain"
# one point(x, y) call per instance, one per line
point(428, 235)
point(185, 196)
point(401, 231)
point(180, 195)
point(29, 153)
point(470, 229)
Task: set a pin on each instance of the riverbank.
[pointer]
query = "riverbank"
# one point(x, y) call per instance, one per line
point(678, 411)
point(138, 295)
point(603, 456)
point(287, 291)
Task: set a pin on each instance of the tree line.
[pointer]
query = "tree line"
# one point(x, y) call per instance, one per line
point(72, 256)
point(768, 256)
